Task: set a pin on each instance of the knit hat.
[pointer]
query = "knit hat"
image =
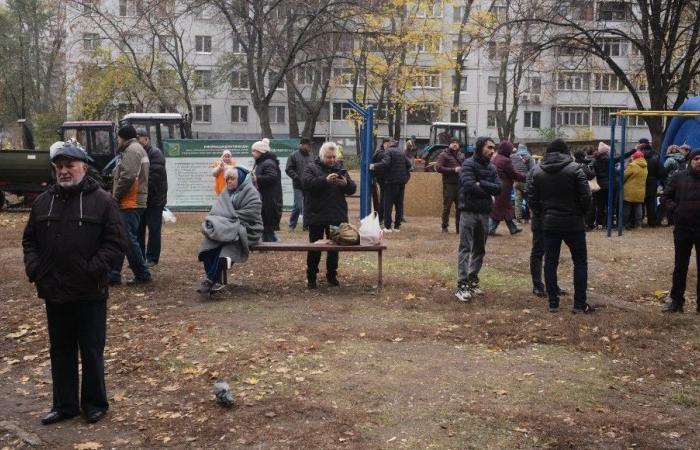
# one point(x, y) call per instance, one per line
point(558, 146)
point(637, 155)
point(127, 132)
point(693, 154)
point(505, 148)
point(603, 147)
point(643, 141)
point(263, 146)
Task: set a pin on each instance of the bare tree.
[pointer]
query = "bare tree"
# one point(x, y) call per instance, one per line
point(460, 53)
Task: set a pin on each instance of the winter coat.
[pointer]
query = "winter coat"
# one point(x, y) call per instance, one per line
point(234, 222)
point(447, 161)
point(655, 173)
point(682, 199)
point(269, 180)
point(478, 183)
point(130, 186)
point(586, 167)
point(503, 207)
point(635, 181)
point(600, 168)
point(324, 202)
point(72, 239)
point(296, 164)
point(394, 166)
point(558, 193)
point(673, 163)
point(377, 157)
point(522, 161)
point(157, 178)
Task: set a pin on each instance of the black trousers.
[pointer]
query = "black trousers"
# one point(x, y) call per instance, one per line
point(77, 327)
point(153, 221)
point(683, 242)
point(393, 199)
point(650, 209)
point(537, 254)
point(449, 197)
point(378, 199)
point(316, 232)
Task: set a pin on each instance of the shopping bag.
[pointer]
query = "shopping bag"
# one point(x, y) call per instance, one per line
point(344, 234)
point(168, 216)
point(370, 231)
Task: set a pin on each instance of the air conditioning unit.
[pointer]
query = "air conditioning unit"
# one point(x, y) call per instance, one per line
point(536, 98)
point(524, 98)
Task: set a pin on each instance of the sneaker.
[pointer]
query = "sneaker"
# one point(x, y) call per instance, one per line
point(463, 294)
point(517, 230)
point(396, 230)
point(137, 281)
point(332, 280)
point(150, 264)
point(672, 307)
point(386, 230)
point(216, 287)
point(204, 287)
point(539, 292)
point(585, 309)
point(311, 283)
point(553, 309)
point(475, 289)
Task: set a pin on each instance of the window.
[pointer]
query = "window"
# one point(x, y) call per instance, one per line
point(341, 111)
point(491, 118)
point(534, 85)
point(492, 86)
point(165, 7)
point(202, 113)
point(346, 43)
point(202, 44)
point(345, 77)
point(131, 8)
point(568, 50)
point(167, 43)
point(463, 114)
point(462, 83)
point(601, 116)
point(641, 82)
point(271, 77)
point(306, 75)
point(531, 119)
point(237, 47)
point(91, 41)
point(573, 81)
point(572, 117)
point(427, 79)
point(457, 14)
point(608, 82)
point(202, 79)
point(432, 9)
point(429, 44)
point(576, 10)
point(496, 49)
point(239, 114)
point(613, 46)
point(424, 114)
point(277, 114)
point(613, 11)
point(89, 6)
point(239, 79)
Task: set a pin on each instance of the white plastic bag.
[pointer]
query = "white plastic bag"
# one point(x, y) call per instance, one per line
point(168, 216)
point(370, 231)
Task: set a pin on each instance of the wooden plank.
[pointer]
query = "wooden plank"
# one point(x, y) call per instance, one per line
point(310, 247)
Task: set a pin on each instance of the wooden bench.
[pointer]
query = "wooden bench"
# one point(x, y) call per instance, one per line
point(311, 247)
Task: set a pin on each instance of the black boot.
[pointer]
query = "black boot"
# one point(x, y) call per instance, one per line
point(673, 307)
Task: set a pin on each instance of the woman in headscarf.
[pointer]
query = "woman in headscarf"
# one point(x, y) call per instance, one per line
point(219, 168)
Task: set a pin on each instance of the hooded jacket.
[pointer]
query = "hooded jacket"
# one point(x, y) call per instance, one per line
point(503, 207)
point(478, 183)
point(269, 181)
point(130, 186)
point(682, 199)
point(157, 178)
point(635, 181)
point(559, 194)
point(324, 202)
point(673, 163)
point(296, 163)
point(71, 241)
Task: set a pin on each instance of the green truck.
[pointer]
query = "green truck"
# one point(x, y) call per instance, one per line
point(27, 172)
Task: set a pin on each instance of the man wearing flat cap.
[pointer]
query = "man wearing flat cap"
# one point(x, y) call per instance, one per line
point(130, 190)
point(71, 241)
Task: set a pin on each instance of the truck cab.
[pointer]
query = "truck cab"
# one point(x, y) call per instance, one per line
point(96, 136)
point(160, 126)
point(440, 135)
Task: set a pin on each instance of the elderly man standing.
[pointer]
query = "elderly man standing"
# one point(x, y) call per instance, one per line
point(396, 170)
point(682, 200)
point(157, 199)
point(130, 190)
point(296, 163)
point(326, 185)
point(71, 241)
point(449, 164)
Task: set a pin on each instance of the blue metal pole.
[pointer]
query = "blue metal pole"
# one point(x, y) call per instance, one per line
point(620, 217)
point(611, 175)
point(366, 180)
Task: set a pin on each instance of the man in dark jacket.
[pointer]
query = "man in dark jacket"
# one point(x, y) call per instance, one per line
point(396, 170)
point(269, 181)
point(682, 201)
point(326, 185)
point(378, 179)
point(654, 174)
point(71, 241)
point(478, 183)
point(449, 163)
point(558, 192)
point(296, 164)
point(157, 199)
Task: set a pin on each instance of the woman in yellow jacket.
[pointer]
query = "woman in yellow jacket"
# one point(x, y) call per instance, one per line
point(634, 190)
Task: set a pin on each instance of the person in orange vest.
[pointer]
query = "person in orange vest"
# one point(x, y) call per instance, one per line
point(220, 167)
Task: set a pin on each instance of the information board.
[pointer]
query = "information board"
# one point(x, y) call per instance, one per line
point(189, 162)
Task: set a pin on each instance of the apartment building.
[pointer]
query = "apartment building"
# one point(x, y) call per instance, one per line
point(560, 92)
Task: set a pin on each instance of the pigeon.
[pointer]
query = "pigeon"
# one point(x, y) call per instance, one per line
point(223, 394)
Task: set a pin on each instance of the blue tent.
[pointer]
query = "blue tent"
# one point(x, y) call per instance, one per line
point(683, 129)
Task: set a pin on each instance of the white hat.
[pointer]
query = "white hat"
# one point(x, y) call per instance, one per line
point(263, 146)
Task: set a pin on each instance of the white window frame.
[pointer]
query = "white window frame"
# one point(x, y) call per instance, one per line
point(203, 79)
point(201, 112)
point(275, 112)
point(528, 117)
point(237, 78)
point(491, 118)
point(463, 83)
point(343, 108)
point(575, 116)
point(242, 110)
point(573, 81)
point(199, 44)
point(91, 41)
point(425, 79)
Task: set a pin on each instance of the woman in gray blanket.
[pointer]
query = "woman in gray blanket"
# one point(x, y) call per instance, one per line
point(233, 224)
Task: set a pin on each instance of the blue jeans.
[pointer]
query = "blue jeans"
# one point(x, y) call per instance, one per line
point(297, 208)
point(131, 219)
point(576, 241)
point(153, 221)
point(210, 259)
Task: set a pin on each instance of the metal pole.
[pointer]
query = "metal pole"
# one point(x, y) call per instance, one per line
point(620, 217)
point(366, 178)
point(611, 175)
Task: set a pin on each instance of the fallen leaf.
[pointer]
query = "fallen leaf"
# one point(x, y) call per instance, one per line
point(409, 296)
point(251, 380)
point(88, 446)
point(18, 334)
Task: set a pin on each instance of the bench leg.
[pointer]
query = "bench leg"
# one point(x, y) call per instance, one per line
point(379, 269)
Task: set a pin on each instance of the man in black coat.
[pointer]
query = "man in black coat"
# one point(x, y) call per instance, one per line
point(296, 163)
point(396, 170)
point(326, 185)
point(682, 201)
point(378, 179)
point(157, 199)
point(268, 178)
point(654, 174)
point(73, 237)
point(559, 193)
point(478, 184)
